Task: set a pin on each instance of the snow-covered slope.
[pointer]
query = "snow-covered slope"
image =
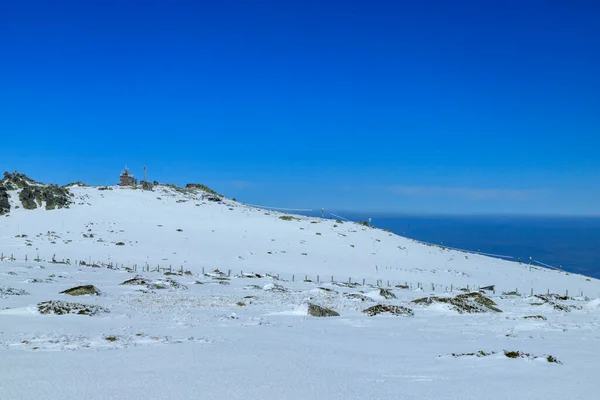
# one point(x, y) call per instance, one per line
point(196, 333)
point(166, 227)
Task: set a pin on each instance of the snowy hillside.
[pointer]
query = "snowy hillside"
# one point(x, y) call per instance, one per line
point(195, 295)
point(171, 227)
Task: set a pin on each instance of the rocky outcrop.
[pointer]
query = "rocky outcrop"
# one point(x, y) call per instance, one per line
point(28, 197)
point(4, 203)
point(56, 197)
point(34, 194)
point(16, 180)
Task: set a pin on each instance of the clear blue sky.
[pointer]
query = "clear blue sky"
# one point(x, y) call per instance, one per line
point(399, 106)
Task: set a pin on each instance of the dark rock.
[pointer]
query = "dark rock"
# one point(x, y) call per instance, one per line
point(56, 197)
point(17, 180)
point(28, 196)
point(318, 311)
point(212, 197)
point(4, 203)
point(146, 185)
point(33, 194)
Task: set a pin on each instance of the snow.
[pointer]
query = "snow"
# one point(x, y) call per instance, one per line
point(233, 335)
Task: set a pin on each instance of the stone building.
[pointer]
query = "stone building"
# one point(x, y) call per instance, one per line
point(127, 178)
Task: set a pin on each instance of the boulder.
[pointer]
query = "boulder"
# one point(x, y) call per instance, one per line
point(82, 291)
point(318, 311)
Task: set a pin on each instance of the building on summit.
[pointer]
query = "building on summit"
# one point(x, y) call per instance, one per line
point(127, 178)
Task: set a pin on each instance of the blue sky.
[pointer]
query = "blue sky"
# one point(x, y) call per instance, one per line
point(407, 107)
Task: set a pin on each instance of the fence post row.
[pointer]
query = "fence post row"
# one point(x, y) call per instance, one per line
point(379, 282)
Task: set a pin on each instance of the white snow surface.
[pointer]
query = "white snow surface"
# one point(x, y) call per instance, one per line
point(229, 335)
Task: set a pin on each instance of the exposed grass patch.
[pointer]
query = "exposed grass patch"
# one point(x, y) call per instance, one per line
point(535, 317)
point(58, 307)
point(480, 353)
point(387, 309)
point(358, 296)
point(473, 302)
point(555, 301)
point(7, 291)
